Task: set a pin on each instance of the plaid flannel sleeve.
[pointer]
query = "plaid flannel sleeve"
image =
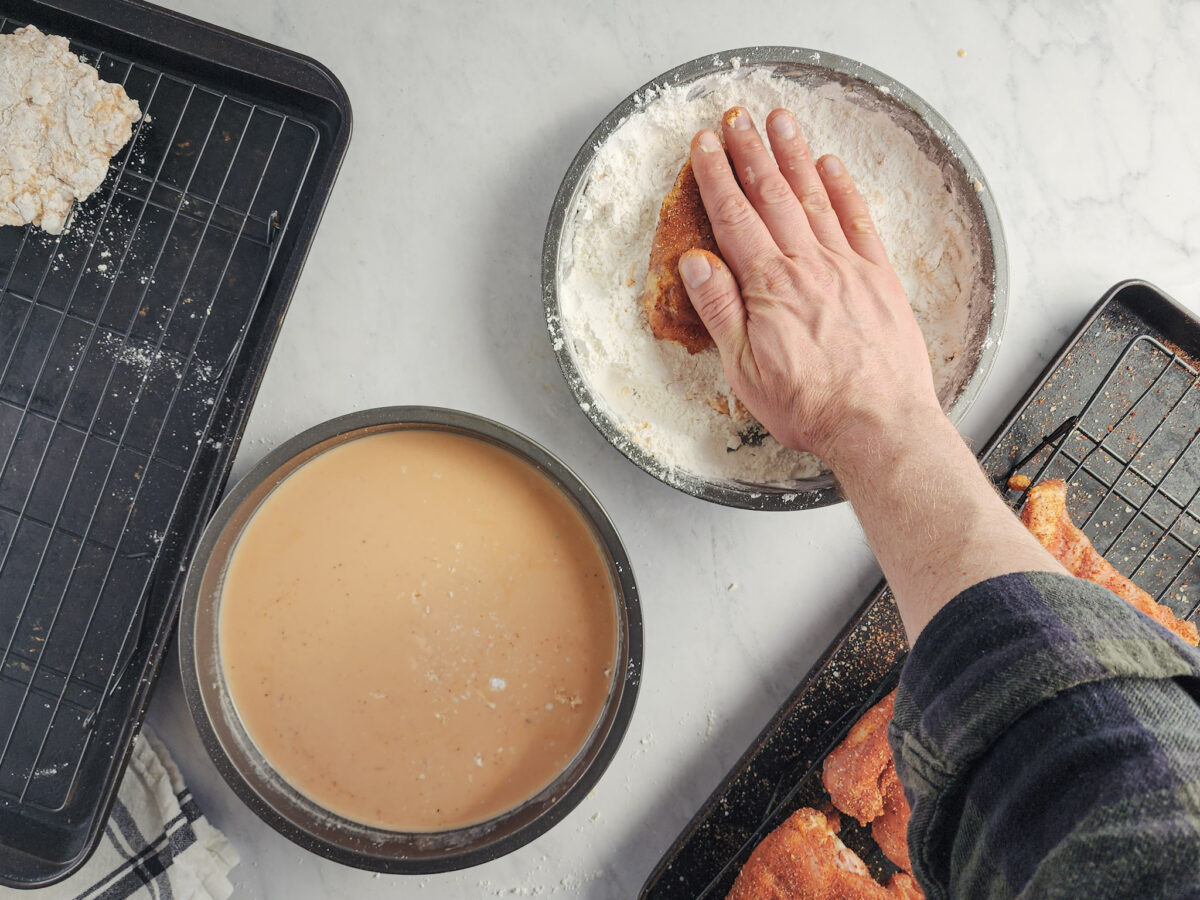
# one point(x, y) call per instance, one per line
point(1048, 738)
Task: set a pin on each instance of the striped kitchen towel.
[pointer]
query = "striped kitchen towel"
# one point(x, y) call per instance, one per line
point(156, 844)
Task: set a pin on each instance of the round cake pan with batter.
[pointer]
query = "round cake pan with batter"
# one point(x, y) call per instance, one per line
point(250, 773)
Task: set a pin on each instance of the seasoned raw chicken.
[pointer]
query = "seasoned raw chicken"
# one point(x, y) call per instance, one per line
point(890, 829)
point(1045, 514)
point(682, 225)
point(860, 776)
point(803, 859)
point(854, 772)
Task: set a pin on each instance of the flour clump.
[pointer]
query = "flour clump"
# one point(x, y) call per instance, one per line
point(60, 124)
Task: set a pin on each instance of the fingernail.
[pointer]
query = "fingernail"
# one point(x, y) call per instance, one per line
point(784, 126)
point(708, 142)
point(832, 166)
point(739, 120)
point(694, 270)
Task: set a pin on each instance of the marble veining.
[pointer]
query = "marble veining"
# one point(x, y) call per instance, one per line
point(422, 287)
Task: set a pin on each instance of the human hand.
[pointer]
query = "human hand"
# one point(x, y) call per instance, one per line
point(816, 335)
point(818, 340)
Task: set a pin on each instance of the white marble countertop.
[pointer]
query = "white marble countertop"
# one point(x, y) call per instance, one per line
point(423, 287)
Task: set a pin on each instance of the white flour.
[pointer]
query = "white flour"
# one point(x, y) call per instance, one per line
point(661, 396)
point(59, 127)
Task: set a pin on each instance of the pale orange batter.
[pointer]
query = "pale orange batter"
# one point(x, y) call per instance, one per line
point(418, 630)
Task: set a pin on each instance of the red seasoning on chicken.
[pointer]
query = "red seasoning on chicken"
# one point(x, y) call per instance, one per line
point(860, 776)
point(890, 829)
point(1045, 515)
point(682, 225)
point(804, 859)
point(855, 770)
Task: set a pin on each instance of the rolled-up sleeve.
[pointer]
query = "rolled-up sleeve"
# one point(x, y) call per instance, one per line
point(1048, 738)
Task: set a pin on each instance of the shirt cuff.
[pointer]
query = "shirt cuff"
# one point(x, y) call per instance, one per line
point(1005, 645)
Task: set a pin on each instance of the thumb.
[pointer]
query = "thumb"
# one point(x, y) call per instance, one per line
point(714, 293)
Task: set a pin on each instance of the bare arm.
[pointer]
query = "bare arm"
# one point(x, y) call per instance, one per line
point(935, 523)
point(819, 341)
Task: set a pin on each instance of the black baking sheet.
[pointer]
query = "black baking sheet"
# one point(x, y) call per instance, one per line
point(131, 348)
point(1116, 413)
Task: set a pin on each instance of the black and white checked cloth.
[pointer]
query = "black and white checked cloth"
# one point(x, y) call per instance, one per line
point(157, 844)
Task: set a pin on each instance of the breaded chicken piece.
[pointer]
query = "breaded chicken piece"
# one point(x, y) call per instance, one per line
point(803, 859)
point(855, 770)
point(890, 829)
point(682, 225)
point(1045, 515)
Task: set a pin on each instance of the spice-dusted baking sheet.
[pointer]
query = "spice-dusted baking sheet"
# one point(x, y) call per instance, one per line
point(1116, 414)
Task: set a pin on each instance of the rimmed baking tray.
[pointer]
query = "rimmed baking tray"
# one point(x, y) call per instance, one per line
point(1116, 414)
point(131, 348)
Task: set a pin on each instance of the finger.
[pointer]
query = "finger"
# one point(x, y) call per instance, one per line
point(713, 291)
point(851, 211)
point(744, 240)
point(764, 184)
point(796, 163)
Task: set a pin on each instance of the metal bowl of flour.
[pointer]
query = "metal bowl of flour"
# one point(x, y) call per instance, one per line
point(961, 176)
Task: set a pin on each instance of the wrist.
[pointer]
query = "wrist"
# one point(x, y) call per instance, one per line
point(879, 438)
point(934, 521)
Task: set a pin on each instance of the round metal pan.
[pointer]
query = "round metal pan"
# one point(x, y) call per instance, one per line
point(961, 173)
point(250, 774)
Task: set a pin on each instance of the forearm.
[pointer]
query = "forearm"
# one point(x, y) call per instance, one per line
point(934, 522)
point(818, 339)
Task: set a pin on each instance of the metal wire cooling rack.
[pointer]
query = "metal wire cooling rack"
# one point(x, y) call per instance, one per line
point(1132, 462)
point(117, 342)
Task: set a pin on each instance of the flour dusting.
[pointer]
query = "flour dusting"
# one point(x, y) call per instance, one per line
point(671, 403)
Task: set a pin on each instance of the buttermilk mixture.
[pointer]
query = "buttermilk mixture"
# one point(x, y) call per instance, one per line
point(418, 630)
